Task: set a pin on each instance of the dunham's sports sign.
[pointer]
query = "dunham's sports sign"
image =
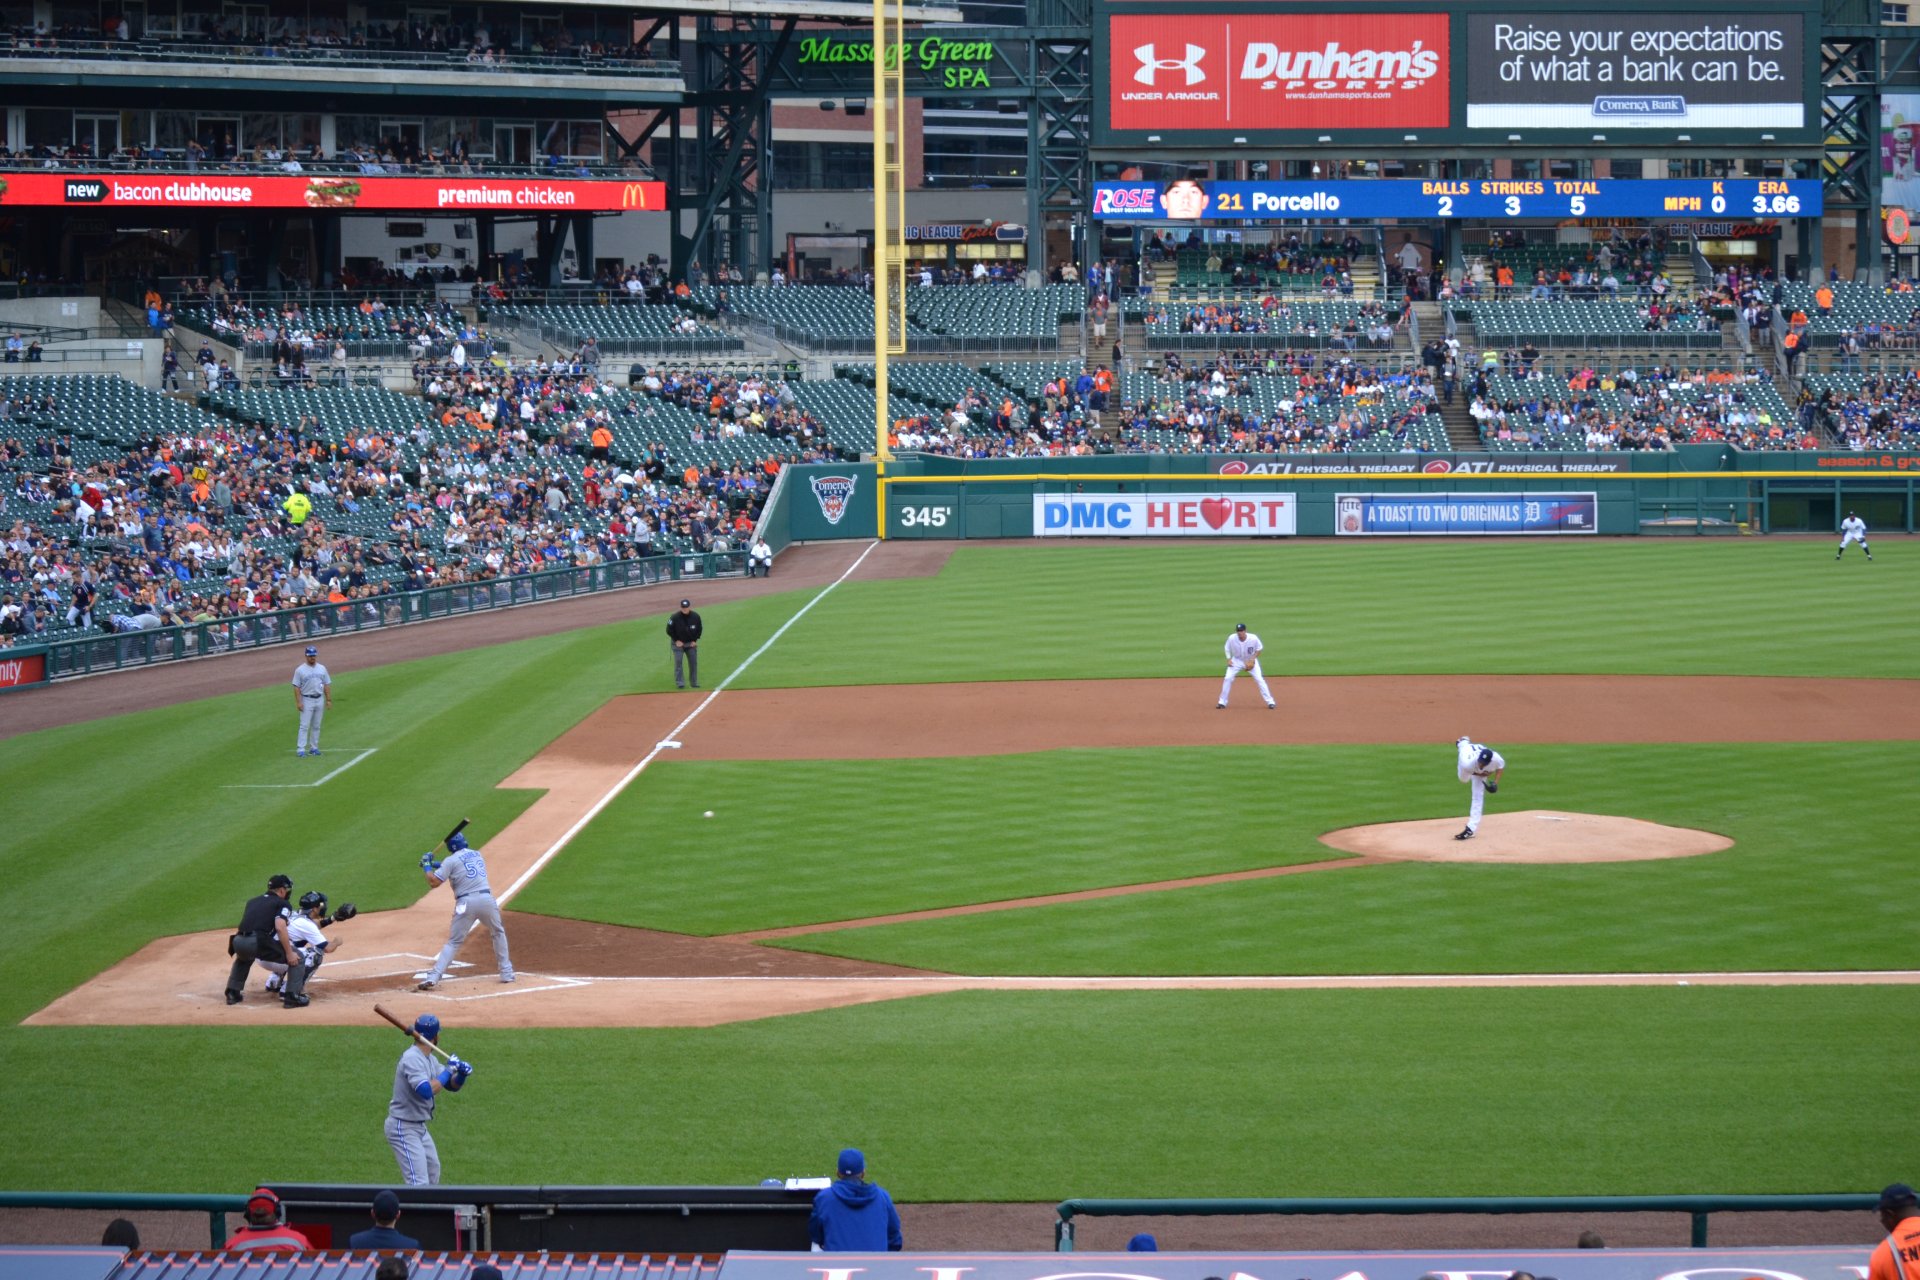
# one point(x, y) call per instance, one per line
point(1163, 515)
point(1292, 71)
point(339, 193)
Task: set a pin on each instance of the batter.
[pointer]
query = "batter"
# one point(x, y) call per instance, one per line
point(417, 1079)
point(1480, 768)
point(1243, 658)
point(312, 696)
point(473, 903)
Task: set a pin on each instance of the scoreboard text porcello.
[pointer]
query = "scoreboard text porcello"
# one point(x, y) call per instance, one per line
point(1490, 198)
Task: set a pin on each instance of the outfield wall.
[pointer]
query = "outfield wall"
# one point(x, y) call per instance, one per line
point(1692, 490)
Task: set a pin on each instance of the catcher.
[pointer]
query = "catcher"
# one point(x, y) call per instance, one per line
point(313, 946)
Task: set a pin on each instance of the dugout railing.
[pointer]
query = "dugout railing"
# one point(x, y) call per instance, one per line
point(1698, 1208)
point(91, 654)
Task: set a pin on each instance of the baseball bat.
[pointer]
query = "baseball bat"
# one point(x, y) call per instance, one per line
point(417, 1038)
point(457, 830)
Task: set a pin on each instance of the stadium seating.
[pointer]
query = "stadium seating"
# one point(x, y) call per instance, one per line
point(619, 327)
point(1856, 305)
point(1572, 322)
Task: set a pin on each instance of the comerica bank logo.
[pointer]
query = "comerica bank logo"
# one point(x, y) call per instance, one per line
point(1151, 65)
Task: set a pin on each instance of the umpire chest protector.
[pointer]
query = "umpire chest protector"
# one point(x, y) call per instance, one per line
point(257, 935)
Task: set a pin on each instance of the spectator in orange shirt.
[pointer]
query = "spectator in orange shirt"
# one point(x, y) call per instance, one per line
point(1823, 299)
point(1900, 1219)
point(602, 441)
point(264, 1232)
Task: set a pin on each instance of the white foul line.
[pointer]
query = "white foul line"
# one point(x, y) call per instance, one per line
point(673, 736)
point(288, 786)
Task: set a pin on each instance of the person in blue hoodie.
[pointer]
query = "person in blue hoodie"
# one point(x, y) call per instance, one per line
point(853, 1215)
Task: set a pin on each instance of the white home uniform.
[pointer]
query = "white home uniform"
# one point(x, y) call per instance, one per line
point(304, 932)
point(1475, 775)
point(312, 681)
point(1243, 655)
point(1853, 529)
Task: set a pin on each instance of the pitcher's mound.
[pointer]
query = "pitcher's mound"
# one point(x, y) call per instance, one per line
point(1533, 835)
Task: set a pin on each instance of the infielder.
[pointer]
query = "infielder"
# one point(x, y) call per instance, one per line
point(312, 695)
point(473, 904)
point(416, 1081)
point(1243, 658)
point(309, 944)
point(1480, 768)
point(1853, 529)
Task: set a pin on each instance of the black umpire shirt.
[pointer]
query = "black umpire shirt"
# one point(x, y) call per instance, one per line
point(684, 627)
point(258, 920)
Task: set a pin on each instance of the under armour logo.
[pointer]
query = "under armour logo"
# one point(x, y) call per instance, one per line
point(1151, 66)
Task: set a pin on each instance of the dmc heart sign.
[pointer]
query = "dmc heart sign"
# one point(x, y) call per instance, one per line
point(1163, 515)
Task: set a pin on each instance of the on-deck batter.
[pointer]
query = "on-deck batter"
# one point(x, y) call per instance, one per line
point(1243, 657)
point(312, 696)
point(1480, 768)
point(473, 903)
point(416, 1080)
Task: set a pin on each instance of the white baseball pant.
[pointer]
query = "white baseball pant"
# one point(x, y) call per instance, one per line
point(1234, 669)
point(1469, 760)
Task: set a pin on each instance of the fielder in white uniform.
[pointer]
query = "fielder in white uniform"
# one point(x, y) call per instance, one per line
point(1243, 658)
point(1480, 768)
point(1853, 529)
point(473, 903)
point(313, 946)
point(312, 695)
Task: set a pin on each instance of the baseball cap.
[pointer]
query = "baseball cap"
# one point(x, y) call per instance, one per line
point(312, 652)
point(280, 882)
point(1897, 1196)
point(851, 1162)
point(686, 604)
point(385, 1204)
point(1239, 626)
point(485, 1271)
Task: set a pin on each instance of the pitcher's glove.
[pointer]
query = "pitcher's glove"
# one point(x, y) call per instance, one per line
point(1492, 787)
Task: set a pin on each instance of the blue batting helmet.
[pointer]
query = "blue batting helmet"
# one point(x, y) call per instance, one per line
point(312, 652)
point(428, 1026)
point(456, 842)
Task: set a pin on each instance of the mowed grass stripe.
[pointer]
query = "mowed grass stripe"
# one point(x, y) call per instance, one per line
point(1814, 880)
point(1040, 1096)
point(1088, 609)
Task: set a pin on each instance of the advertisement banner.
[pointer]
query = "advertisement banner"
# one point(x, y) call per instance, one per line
point(1197, 200)
point(1431, 464)
point(1456, 514)
point(1289, 71)
point(1899, 176)
point(338, 194)
point(1605, 71)
point(22, 669)
point(1259, 514)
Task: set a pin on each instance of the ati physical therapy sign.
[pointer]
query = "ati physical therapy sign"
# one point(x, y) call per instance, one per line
point(341, 194)
point(1163, 515)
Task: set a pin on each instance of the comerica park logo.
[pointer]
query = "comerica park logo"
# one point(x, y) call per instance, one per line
point(833, 493)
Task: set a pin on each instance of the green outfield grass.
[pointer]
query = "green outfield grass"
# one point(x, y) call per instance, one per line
point(118, 832)
point(1810, 883)
point(1032, 1096)
point(1071, 610)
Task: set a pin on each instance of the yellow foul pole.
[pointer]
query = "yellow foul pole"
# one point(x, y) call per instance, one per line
point(889, 229)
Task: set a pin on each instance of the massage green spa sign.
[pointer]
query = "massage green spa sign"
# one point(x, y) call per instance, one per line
point(947, 63)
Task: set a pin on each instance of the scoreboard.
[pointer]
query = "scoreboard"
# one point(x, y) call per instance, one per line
point(1191, 201)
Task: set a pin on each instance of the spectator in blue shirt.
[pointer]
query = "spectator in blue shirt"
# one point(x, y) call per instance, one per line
point(854, 1215)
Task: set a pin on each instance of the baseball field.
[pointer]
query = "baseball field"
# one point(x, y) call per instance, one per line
point(991, 889)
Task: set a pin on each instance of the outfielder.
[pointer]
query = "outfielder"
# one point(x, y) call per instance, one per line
point(1480, 768)
point(309, 944)
point(312, 695)
point(1853, 529)
point(1243, 658)
point(473, 904)
point(416, 1081)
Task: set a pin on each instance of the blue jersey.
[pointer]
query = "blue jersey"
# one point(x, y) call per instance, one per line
point(466, 871)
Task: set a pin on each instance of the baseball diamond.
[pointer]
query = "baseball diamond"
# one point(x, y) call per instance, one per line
point(848, 899)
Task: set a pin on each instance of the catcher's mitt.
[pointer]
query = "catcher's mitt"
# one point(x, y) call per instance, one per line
point(347, 911)
point(1492, 787)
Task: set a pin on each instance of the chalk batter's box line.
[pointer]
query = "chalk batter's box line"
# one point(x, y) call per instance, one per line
point(290, 786)
point(520, 987)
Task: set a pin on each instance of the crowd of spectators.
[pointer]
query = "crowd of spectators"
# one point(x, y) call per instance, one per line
point(1515, 400)
point(1883, 413)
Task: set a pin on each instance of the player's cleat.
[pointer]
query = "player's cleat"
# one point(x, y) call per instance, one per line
point(427, 984)
point(506, 977)
point(1273, 706)
point(233, 997)
point(300, 753)
point(1465, 835)
point(314, 752)
point(1220, 706)
point(295, 1002)
point(273, 985)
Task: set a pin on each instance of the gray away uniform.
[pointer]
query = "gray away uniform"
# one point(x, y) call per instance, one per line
point(407, 1117)
point(473, 904)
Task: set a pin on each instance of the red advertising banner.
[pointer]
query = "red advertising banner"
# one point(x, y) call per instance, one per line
point(22, 669)
point(1277, 71)
point(336, 192)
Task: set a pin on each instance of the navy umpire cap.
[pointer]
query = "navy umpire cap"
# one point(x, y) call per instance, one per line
point(280, 882)
point(312, 652)
point(686, 604)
